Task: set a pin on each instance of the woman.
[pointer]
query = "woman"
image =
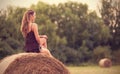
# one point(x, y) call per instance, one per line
point(33, 41)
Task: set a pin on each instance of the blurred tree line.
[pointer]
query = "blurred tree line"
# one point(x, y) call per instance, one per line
point(75, 34)
point(110, 12)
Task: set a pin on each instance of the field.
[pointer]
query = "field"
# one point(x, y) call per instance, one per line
point(94, 70)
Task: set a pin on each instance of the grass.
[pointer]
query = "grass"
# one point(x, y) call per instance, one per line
point(94, 70)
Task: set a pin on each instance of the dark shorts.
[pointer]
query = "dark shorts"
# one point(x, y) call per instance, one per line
point(34, 50)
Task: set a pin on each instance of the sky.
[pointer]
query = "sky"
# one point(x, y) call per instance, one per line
point(92, 4)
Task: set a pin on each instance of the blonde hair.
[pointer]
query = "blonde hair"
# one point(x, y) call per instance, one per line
point(25, 22)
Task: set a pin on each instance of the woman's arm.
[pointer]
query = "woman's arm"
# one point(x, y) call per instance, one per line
point(43, 36)
point(35, 30)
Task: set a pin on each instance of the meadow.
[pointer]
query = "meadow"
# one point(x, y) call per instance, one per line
point(93, 70)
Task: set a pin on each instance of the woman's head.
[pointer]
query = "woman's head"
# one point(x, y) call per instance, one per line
point(28, 17)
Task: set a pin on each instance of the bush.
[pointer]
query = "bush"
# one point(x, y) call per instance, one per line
point(116, 56)
point(5, 50)
point(15, 44)
point(101, 52)
point(66, 54)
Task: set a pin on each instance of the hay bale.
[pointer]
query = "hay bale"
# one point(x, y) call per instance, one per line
point(106, 63)
point(32, 63)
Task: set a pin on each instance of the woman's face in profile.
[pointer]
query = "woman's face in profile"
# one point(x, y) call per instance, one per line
point(33, 17)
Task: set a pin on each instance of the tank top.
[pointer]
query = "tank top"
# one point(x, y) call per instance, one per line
point(31, 44)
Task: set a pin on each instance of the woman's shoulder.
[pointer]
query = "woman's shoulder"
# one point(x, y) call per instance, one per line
point(34, 26)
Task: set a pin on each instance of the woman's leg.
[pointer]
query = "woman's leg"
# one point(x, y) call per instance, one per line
point(43, 42)
point(46, 51)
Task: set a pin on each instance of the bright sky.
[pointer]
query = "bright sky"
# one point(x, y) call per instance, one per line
point(93, 4)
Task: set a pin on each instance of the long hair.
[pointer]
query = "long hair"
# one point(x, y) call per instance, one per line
point(26, 22)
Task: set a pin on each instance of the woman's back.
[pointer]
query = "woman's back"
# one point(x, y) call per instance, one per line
point(31, 44)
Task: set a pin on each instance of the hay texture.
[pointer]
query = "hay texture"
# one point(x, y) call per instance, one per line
point(32, 63)
point(106, 63)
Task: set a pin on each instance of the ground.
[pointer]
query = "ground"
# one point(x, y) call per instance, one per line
point(94, 70)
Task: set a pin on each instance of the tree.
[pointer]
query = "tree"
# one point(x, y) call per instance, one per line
point(5, 33)
point(110, 12)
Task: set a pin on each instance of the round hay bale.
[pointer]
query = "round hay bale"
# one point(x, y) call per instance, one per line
point(106, 63)
point(32, 63)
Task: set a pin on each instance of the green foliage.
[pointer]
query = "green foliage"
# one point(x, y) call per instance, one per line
point(66, 55)
point(9, 34)
point(116, 56)
point(5, 50)
point(110, 12)
point(85, 52)
point(102, 52)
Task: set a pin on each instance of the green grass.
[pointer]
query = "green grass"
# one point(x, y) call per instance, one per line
point(94, 70)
